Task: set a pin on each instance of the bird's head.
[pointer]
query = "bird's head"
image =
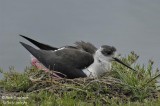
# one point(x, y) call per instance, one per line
point(107, 54)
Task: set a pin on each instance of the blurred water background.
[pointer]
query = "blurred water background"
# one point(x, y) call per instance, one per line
point(129, 25)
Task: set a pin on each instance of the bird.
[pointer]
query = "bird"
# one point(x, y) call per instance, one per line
point(82, 60)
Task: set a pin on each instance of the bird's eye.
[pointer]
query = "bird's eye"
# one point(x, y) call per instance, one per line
point(105, 52)
point(109, 53)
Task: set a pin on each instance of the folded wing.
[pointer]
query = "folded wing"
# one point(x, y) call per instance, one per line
point(68, 61)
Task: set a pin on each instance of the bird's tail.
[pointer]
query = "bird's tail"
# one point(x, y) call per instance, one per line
point(38, 44)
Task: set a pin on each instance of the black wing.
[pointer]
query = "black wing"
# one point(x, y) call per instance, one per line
point(86, 46)
point(38, 44)
point(67, 61)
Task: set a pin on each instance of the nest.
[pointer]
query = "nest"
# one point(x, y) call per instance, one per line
point(89, 88)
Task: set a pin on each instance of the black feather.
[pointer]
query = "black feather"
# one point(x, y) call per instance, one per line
point(38, 44)
point(67, 61)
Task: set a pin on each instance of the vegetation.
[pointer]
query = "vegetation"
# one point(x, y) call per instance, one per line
point(121, 86)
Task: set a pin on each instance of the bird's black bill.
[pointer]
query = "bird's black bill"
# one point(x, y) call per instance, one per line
point(119, 61)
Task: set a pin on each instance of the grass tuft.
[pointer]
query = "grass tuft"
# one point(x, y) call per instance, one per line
point(121, 86)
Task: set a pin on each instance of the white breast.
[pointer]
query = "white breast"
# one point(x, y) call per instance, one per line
point(101, 65)
point(97, 69)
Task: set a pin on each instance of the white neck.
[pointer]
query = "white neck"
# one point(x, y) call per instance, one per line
point(101, 65)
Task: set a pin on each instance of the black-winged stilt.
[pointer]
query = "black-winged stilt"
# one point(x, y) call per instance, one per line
point(82, 60)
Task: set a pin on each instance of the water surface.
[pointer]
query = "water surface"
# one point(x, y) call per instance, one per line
point(127, 25)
